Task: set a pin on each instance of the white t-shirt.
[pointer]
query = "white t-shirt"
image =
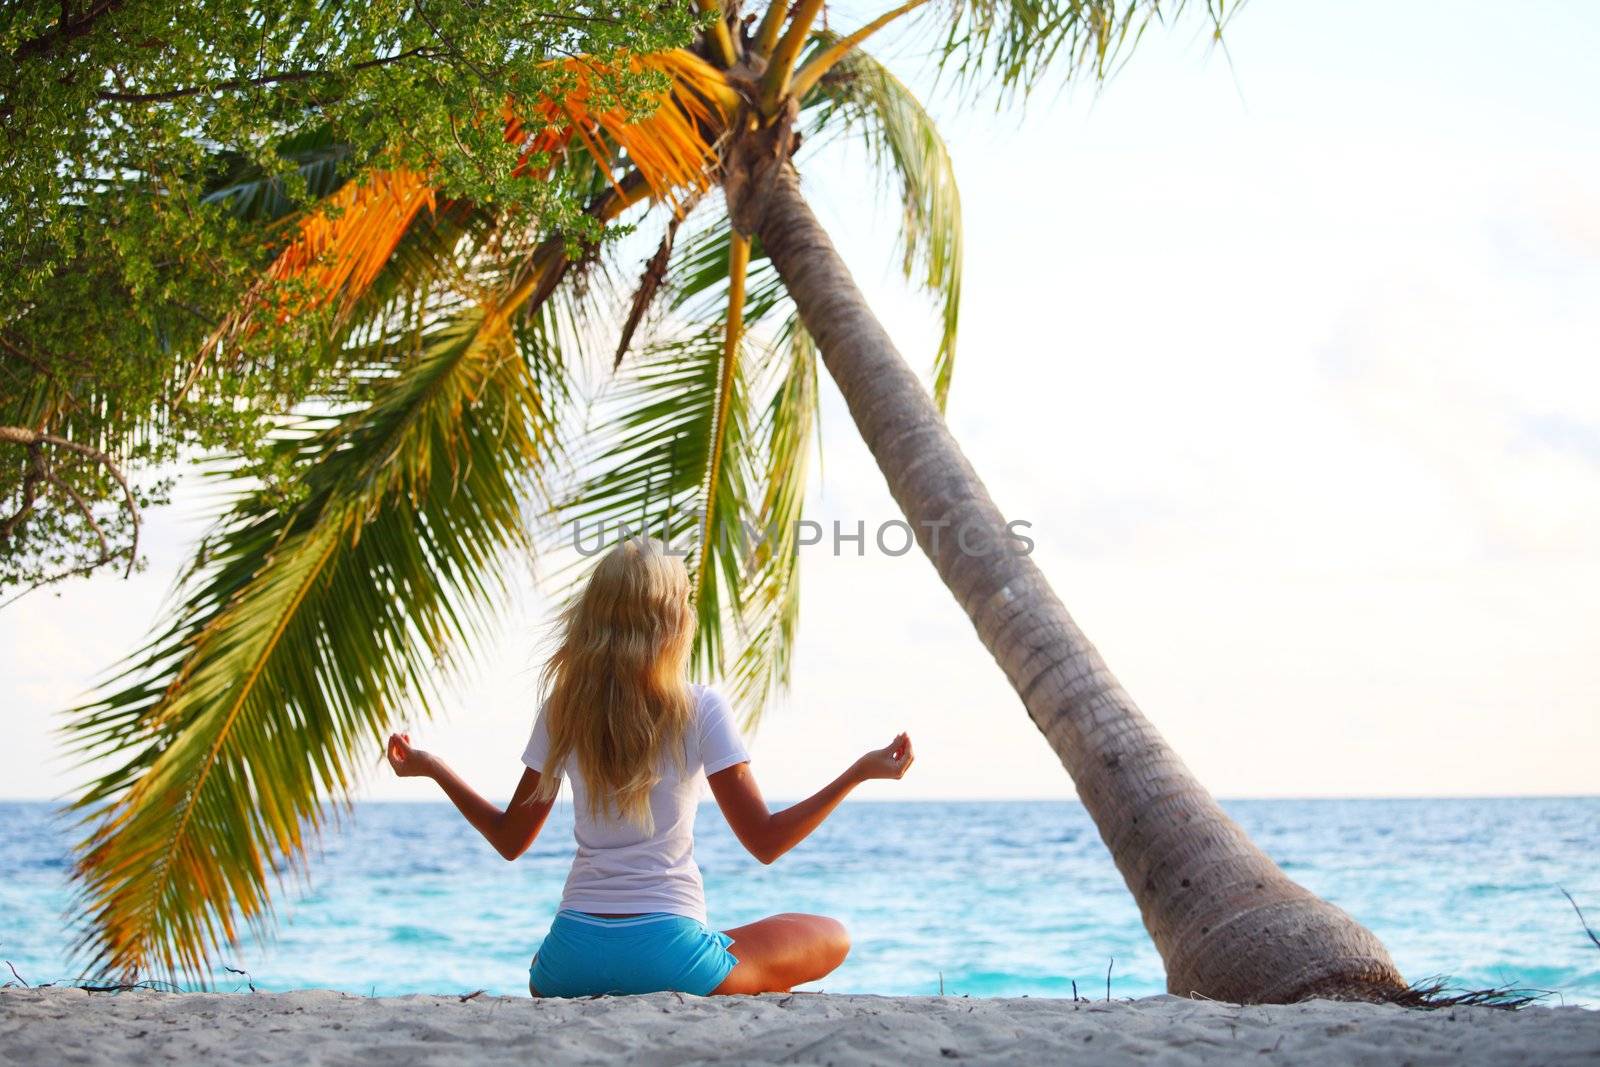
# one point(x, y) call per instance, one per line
point(619, 868)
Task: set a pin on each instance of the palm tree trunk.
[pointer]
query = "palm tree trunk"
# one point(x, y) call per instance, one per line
point(1228, 923)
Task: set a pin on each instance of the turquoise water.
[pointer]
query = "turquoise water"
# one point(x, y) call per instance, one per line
point(991, 898)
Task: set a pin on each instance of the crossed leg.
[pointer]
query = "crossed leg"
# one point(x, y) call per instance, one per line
point(782, 951)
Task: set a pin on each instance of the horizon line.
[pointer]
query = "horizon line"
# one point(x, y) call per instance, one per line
point(1012, 799)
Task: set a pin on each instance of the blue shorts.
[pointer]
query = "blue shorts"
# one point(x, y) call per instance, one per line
point(584, 955)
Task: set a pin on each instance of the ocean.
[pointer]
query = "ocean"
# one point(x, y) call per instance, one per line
point(975, 898)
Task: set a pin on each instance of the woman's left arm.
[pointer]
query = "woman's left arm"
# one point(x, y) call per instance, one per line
point(510, 831)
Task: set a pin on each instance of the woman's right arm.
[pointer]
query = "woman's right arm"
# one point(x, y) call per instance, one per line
point(510, 831)
point(769, 834)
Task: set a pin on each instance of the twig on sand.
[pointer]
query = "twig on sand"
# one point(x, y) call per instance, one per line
point(1581, 919)
point(1074, 991)
point(125, 987)
point(1110, 965)
point(17, 976)
point(243, 974)
point(475, 993)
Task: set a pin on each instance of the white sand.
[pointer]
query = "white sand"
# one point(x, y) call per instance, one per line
point(68, 1026)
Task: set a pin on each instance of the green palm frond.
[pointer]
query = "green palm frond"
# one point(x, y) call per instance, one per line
point(861, 94)
point(781, 449)
point(728, 433)
point(698, 278)
point(1011, 45)
point(782, 368)
point(650, 466)
point(312, 168)
point(303, 633)
point(649, 459)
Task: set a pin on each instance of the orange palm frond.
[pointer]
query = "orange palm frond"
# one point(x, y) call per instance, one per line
point(338, 248)
point(672, 146)
point(341, 247)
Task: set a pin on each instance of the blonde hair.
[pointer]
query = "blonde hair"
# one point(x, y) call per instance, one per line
point(618, 683)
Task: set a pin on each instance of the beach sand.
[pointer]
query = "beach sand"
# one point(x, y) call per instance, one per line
point(69, 1026)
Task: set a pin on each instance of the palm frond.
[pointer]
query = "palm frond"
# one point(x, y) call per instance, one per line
point(823, 59)
point(698, 277)
point(1011, 45)
point(338, 250)
point(722, 422)
point(781, 447)
point(648, 470)
point(251, 192)
point(670, 145)
point(460, 248)
point(860, 93)
point(341, 247)
point(775, 79)
point(652, 461)
point(304, 632)
point(650, 284)
point(780, 367)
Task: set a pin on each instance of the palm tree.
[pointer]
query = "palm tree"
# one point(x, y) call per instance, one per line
point(307, 620)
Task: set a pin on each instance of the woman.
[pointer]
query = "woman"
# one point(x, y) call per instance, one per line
point(622, 723)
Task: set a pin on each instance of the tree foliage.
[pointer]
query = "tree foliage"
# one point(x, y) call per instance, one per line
point(153, 155)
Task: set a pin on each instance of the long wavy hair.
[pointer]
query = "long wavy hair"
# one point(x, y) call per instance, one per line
point(618, 687)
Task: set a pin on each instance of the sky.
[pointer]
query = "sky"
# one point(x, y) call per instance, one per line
point(1288, 355)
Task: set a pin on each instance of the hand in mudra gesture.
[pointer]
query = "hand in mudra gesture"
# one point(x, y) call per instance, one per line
point(892, 761)
point(407, 762)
